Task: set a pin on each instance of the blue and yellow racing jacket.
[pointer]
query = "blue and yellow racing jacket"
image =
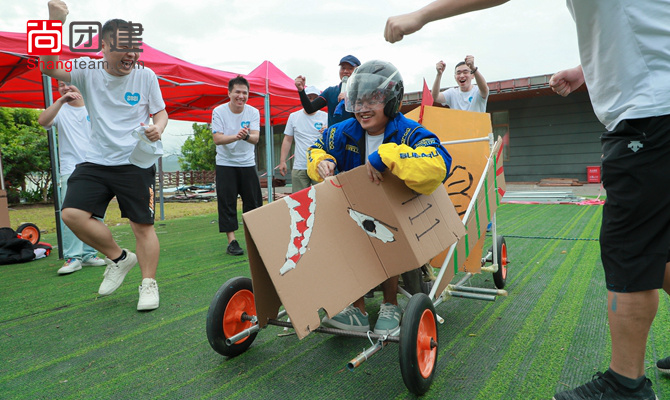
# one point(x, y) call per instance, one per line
point(410, 151)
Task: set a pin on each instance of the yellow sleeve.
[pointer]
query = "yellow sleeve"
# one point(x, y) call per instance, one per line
point(314, 157)
point(423, 169)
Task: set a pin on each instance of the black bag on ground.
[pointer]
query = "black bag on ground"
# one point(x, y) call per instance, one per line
point(12, 249)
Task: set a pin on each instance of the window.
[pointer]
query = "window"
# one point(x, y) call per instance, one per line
point(500, 121)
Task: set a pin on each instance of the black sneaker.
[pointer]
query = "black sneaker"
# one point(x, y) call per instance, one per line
point(664, 365)
point(605, 387)
point(234, 249)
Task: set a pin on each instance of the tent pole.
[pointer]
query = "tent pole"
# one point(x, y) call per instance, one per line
point(53, 154)
point(269, 140)
point(160, 187)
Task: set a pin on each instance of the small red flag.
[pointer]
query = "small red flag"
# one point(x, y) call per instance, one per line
point(426, 97)
point(426, 100)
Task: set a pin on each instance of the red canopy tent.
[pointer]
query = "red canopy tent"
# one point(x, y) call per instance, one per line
point(190, 91)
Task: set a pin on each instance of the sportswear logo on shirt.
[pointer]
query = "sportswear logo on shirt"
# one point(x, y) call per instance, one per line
point(245, 124)
point(132, 98)
point(88, 118)
point(635, 145)
point(470, 99)
point(318, 125)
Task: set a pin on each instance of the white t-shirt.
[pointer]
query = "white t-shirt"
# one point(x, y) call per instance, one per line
point(239, 153)
point(74, 132)
point(372, 143)
point(117, 105)
point(624, 46)
point(468, 101)
point(305, 131)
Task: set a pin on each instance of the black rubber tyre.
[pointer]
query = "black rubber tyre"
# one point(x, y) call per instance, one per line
point(500, 277)
point(418, 344)
point(412, 281)
point(224, 316)
point(30, 232)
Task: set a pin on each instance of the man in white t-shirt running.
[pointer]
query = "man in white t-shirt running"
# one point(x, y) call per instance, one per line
point(70, 117)
point(236, 131)
point(120, 96)
point(466, 96)
point(305, 129)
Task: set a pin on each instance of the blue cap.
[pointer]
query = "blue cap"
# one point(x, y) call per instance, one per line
point(350, 60)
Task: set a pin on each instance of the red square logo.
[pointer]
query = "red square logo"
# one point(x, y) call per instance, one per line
point(45, 37)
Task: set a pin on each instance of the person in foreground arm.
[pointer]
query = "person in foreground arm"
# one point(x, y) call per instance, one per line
point(567, 81)
point(399, 26)
point(381, 138)
point(58, 11)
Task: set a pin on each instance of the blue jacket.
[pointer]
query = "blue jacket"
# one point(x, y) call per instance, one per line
point(410, 151)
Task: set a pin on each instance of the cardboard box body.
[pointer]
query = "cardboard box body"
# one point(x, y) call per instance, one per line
point(328, 245)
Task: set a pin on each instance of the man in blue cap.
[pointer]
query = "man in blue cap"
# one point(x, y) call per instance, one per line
point(332, 96)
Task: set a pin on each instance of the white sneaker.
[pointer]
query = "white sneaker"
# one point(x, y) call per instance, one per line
point(115, 273)
point(149, 299)
point(71, 265)
point(94, 261)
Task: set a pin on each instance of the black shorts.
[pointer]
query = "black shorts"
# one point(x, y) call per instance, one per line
point(91, 187)
point(635, 233)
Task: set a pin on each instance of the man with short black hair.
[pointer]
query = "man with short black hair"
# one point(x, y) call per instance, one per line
point(236, 131)
point(466, 96)
point(121, 99)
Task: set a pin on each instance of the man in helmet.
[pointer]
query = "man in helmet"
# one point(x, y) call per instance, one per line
point(380, 138)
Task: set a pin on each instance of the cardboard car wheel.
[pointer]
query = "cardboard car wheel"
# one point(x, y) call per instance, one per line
point(30, 232)
point(418, 344)
point(500, 277)
point(224, 318)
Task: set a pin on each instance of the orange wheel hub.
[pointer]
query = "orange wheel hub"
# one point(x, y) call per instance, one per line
point(242, 302)
point(426, 353)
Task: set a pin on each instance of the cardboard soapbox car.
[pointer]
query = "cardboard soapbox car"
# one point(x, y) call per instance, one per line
point(334, 242)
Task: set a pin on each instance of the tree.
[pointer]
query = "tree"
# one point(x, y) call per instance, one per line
point(199, 152)
point(25, 150)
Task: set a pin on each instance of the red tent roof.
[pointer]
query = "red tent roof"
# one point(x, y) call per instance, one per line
point(190, 91)
point(284, 98)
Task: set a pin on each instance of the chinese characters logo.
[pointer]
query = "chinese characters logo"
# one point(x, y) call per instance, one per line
point(45, 37)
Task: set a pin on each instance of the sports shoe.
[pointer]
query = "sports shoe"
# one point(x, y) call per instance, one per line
point(388, 321)
point(148, 295)
point(234, 249)
point(605, 386)
point(349, 319)
point(664, 365)
point(115, 273)
point(71, 265)
point(94, 261)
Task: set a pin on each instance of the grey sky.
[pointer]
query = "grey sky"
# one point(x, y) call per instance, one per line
point(518, 39)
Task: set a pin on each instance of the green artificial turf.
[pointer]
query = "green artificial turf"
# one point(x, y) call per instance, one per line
point(59, 340)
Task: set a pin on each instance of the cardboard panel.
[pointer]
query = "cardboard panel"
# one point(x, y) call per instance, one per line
point(349, 249)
